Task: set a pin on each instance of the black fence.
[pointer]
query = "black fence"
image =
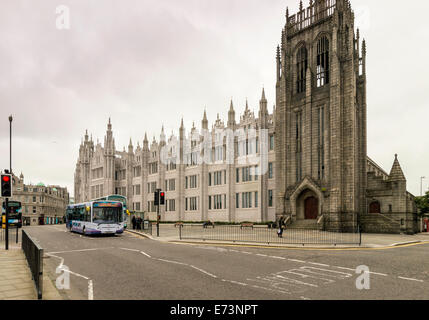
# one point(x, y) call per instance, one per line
point(263, 234)
point(34, 255)
point(144, 226)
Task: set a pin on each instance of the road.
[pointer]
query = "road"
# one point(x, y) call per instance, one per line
point(131, 267)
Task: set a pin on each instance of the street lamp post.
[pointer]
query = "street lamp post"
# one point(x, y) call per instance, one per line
point(421, 186)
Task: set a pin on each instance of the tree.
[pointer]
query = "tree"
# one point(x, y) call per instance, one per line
point(423, 203)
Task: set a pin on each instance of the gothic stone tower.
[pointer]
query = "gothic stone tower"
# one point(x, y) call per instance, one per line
point(321, 117)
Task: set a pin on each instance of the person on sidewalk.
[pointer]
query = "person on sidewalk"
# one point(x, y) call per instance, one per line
point(133, 222)
point(281, 227)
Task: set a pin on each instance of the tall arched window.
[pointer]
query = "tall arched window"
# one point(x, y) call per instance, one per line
point(301, 68)
point(322, 62)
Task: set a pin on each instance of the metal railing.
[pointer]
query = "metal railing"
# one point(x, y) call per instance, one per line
point(34, 255)
point(262, 234)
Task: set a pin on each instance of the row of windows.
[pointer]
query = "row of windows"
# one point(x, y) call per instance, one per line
point(151, 187)
point(191, 182)
point(136, 190)
point(121, 174)
point(97, 191)
point(215, 178)
point(191, 204)
point(170, 185)
point(217, 202)
point(247, 174)
point(97, 173)
point(153, 167)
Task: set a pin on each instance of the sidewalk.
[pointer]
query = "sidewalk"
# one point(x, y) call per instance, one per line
point(168, 233)
point(16, 281)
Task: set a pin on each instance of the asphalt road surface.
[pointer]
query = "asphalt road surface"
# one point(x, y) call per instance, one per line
point(129, 267)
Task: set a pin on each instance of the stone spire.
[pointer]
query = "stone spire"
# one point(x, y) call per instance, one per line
point(145, 143)
point(204, 122)
point(396, 174)
point(162, 136)
point(231, 116)
point(130, 147)
point(263, 110)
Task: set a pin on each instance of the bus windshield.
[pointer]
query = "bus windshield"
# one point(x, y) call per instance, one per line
point(104, 213)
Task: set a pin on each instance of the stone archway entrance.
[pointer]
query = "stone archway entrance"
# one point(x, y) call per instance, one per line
point(311, 208)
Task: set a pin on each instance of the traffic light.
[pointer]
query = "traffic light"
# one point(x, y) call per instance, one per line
point(162, 198)
point(156, 199)
point(6, 185)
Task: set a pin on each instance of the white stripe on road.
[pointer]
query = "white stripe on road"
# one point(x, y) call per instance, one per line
point(299, 261)
point(81, 250)
point(134, 250)
point(144, 253)
point(274, 257)
point(175, 262)
point(410, 279)
point(345, 268)
point(90, 290)
point(319, 264)
point(203, 271)
point(235, 282)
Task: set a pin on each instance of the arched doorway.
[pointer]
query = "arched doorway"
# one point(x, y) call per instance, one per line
point(374, 207)
point(311, 208)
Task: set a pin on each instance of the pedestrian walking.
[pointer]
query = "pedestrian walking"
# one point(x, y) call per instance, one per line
point(281, 227)
point(133, 222)
point(139, 223)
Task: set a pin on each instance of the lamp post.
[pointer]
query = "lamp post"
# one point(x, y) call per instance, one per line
point(421, 186)
point(10, 143)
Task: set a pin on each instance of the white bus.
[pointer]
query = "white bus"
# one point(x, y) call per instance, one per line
point(95, 217)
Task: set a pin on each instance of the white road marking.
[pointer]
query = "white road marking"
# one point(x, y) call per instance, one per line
point(410, 279)
point(175, 262)
point(81, 250)
point(235, 282)
point(134, 250)
point(203, 271)
point(350, 269)
point(297, 281)
point(275, 257)
point(319, 264)
point(144, 253)
point(378, 274)
point(261, 255)
point(90, 290)
point(299, 261)
point(344, 268)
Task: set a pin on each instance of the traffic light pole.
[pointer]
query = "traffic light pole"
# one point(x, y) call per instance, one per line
point(157, 221)
point(7, 224)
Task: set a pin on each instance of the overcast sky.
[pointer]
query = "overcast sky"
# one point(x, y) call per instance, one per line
point(145, 63)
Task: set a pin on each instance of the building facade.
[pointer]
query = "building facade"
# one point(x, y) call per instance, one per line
point(323, 172)
point(200, 183)
point(41, 204)
point(315, 148)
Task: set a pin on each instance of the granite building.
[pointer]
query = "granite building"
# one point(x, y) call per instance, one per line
point(324, 176)
point(196, 190)
point(318, 174)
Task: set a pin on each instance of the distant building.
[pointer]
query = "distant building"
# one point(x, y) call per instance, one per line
point(40, 204)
